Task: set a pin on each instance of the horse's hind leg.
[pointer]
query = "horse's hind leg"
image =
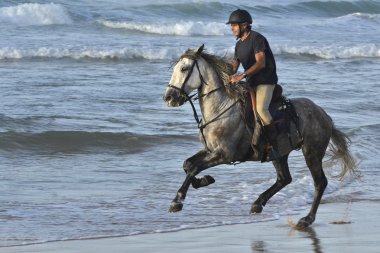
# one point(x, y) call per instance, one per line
point(283, 178)
point(314, 162)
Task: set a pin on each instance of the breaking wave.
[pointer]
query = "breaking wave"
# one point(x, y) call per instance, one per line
point(90, 53)
point(331, 52)
point(182, 28)
point(366, 16)
point(35, 14)
point(164, 53)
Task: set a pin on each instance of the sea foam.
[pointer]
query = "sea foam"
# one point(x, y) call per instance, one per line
point(331, 52)
point(35, 14)
point(90, 53)
point(182, 28)
point(166, 53)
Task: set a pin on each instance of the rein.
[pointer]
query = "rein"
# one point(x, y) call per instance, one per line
point(200, 124)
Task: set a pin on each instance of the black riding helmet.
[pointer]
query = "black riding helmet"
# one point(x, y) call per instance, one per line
point(240, 16)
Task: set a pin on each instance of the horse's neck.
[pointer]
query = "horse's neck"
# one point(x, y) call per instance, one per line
point(213, 102)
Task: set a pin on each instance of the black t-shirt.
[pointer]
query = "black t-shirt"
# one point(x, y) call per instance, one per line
point(245, 53)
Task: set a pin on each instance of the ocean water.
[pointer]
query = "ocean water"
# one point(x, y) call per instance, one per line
point(88, 149)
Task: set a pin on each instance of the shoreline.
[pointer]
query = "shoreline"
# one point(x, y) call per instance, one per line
point(339, 227)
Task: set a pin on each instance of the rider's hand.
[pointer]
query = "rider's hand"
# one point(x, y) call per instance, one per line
point(236, 78)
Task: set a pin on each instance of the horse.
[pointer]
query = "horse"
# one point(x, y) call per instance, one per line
point(226, 139)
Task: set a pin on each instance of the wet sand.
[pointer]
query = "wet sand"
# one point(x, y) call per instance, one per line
point(340, 227)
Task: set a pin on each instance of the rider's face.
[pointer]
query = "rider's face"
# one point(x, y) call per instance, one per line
point(235, 29)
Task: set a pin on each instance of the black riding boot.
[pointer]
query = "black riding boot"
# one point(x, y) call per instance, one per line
point(270, 132)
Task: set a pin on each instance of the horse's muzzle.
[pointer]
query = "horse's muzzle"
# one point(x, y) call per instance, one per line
point(173, 97)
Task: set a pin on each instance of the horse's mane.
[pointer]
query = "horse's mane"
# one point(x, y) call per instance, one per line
point(222, 65)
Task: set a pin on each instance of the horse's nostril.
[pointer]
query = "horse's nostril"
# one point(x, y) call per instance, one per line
point(168, 98)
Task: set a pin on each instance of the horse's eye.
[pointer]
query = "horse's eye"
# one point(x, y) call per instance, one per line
point(185, 68)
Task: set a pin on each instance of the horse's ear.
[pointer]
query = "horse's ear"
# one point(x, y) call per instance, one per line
point(200, 49)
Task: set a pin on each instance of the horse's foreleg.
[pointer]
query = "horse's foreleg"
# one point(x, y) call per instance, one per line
point(177, 204)
point(283, 178)
point(193, 166)
point(197, 182)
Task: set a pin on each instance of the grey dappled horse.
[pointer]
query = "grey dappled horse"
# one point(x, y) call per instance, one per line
point(226, 138)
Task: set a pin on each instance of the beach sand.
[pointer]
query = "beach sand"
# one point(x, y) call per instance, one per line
point(340, 227)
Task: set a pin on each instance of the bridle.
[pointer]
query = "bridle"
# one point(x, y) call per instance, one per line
point(189, 98)
point(182, 88)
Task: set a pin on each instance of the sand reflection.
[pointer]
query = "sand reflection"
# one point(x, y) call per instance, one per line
point(262, 246)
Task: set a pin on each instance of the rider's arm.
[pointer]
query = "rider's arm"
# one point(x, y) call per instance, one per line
point(259, 65)
point(235, 66)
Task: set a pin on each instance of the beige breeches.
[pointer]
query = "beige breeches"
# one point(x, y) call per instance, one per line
point(264, 94)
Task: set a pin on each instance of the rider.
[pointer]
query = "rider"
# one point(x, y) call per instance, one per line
point(253, 51)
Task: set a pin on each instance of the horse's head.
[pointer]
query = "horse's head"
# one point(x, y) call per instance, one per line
point(186, 77)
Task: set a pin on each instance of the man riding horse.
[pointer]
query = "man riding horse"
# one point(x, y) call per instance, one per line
point(252, 50)
point(223, 127)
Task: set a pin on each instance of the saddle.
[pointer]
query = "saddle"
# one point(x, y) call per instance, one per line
point(287, 122)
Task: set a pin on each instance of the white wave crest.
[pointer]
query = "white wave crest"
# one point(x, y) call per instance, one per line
point(35, 14)
point(90, 53)
point(332, 52)
point(182, 28)
point(366, 16)
point(357, 19)
point(170, 53)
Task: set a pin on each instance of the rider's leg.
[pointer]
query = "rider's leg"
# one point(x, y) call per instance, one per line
point(255, 138)
point(264, 94)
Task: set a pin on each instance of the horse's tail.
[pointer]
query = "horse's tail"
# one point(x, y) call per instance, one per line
point(339, 148)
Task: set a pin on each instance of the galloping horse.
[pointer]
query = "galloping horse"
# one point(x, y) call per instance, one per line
point(226, 138)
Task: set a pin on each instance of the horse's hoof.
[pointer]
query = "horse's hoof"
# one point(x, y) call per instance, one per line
point(208, 180)
point(256, 208)
point(202, 182)
point(175, 207)
point(304, 223)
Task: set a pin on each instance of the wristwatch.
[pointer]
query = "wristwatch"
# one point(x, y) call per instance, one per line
point(245, 75)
